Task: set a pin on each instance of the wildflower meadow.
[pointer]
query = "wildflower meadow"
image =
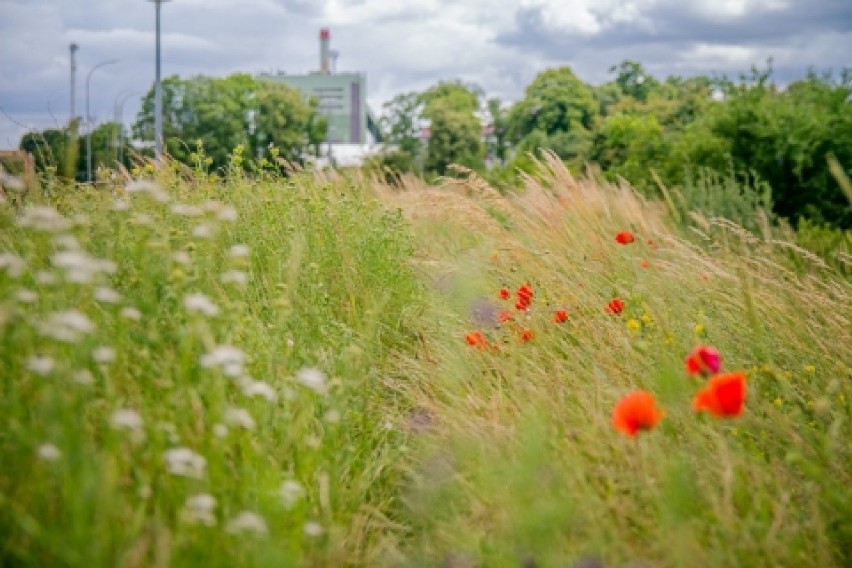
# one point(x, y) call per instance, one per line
point(332, 370)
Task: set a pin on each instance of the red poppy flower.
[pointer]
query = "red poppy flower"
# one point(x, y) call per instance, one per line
point(615, 306)
point(723, 396)
point(504, 293)
point(624, 238)
point(703, 360)
point(525, 296)
point(560, 316)
point(526, 335)
point(636, 411)
point(644, 263)
point(476, 339)
point(505, 316)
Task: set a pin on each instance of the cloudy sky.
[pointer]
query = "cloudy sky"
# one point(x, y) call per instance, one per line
point(401, 45)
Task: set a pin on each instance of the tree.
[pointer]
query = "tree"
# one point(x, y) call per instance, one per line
point(455, 138)
point(558, 111)
point(633, 81)
point(497, 144)
point(455, 132)
point(283, 119)
point(785, 136)
point(229, 112)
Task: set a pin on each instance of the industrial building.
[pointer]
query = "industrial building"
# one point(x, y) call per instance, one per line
point(342, 97)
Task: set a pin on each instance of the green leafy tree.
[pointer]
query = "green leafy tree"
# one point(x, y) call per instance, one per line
point(633, 81)
point(629, 145)
point(497, 143)
point(786, 136)
point(558, 111)
point(50, 149)
point(455, 138)
point(224, 113)
point(455, 131)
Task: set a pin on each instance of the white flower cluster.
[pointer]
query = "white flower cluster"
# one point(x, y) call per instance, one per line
point(314, 379)
point(80, 267)
point(199, 509)
point(227, 357)
point(13, 264)
point(68, 326)
point(149, 187)
point(43, 218)
point(200, 303)
point(130, 421)
point(185, 463)
point(239, 417)
point(247, 522)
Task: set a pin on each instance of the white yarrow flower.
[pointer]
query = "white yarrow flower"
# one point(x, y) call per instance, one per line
point(26, 296)
point(314, 379)
point(291, 491)
point(237, 277)
point(239, 251)
point(80, 267)
point(185, 462)
point(258, 388)
point(107, 295)
point(45, 278)
point(83, 377)
point(67, 242)
point(220, 431)
point(49, 452)
point(239, 417)
point(199, 509)
point(202, 231)
point(42, 366)
point(149, 187)
point(182, 257)
point(127, 419)
point(223, 355)
point(313, 529)
point(13, 264)
point(43, 218)
point(200, 303)
point(103, 354)
point(131, 313)
point(187, 210)
point(227, 213)
point(247, 522)
point(332, 416)
point(69, 326)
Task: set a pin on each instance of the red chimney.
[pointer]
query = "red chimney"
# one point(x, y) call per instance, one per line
point(325, 37)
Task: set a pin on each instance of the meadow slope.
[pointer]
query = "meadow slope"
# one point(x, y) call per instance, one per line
point(274, 372)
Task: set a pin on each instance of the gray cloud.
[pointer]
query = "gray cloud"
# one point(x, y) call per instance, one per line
point(498, 44)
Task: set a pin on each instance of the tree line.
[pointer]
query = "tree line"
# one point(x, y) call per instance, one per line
point(698, 133)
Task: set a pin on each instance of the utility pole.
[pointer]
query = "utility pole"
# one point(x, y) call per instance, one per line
point(118, 118)
point(72, 48)
point(89, 119)
point(158, 89)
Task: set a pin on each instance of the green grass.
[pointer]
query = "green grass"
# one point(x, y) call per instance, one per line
point(417, 450)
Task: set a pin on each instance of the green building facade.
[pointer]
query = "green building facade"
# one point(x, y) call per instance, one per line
point(342, 98)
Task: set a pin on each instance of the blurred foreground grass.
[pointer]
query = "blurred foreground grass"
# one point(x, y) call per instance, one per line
point(274, 373)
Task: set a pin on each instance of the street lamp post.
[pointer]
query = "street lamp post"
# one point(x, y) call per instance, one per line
point(118, 118)
point(158, 89)
point(72, 48)
point(89, 119)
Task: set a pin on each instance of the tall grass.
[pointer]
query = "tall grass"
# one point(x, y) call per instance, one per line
point(349, 423)
point(522, 465)
point(192, 374)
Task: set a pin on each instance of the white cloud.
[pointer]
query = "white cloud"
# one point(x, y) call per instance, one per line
point(401, 46)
